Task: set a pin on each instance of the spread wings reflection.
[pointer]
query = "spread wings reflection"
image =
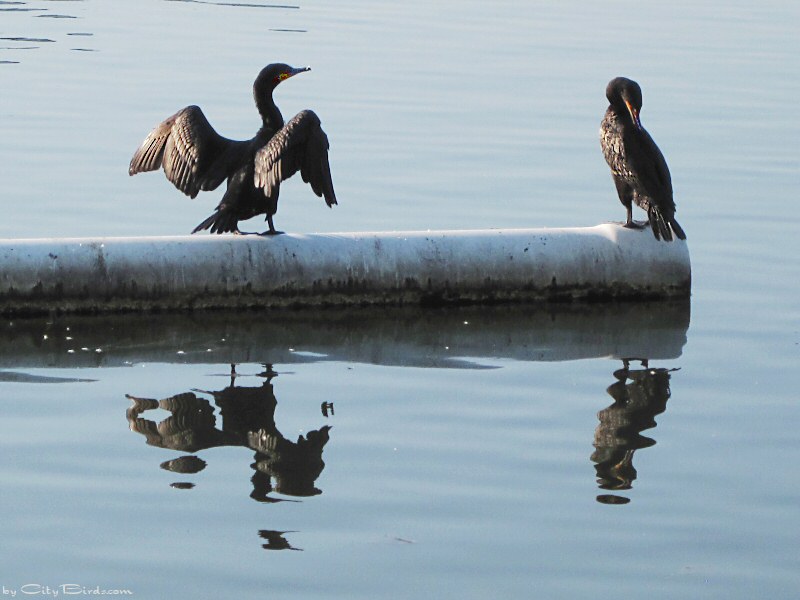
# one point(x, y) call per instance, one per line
point(247, 416)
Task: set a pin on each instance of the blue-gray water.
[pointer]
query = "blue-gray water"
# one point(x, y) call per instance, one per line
point(468, 448)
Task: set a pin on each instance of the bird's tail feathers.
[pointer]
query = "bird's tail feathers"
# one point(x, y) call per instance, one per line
point(221, 221)
point(677, 229)
point(662, 227)
point(659, 224)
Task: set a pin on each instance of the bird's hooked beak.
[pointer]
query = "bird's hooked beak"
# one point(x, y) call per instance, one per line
point(634, 114)
point(291, 72)
point(298, 70)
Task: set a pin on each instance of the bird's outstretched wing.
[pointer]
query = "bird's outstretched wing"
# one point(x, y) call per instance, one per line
point(300, 145)
point(194, 156)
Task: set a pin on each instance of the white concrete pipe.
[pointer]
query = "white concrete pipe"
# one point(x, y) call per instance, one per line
point(188, 272)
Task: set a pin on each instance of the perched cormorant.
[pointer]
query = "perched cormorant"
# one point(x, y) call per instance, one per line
point(195, 157)
point(637, 165)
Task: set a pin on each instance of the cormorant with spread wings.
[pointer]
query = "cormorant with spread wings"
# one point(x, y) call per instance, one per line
point(195, 157)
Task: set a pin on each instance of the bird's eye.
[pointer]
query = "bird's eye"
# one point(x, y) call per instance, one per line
point(281, 77)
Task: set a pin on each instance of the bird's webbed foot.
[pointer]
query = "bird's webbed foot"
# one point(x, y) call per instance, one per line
point(636, 224)
point(271, 230)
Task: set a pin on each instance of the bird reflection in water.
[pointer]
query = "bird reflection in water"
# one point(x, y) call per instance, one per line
point(639, 395)
point(248, 419)
point(275, 540)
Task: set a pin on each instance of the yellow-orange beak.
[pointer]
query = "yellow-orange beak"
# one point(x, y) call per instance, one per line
point(634, 114)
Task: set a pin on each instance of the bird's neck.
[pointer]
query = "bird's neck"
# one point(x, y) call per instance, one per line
point(622, 114)
point(270, 115)
point(619, 112)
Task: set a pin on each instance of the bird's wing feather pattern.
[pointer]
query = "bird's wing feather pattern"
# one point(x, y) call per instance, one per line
point(194, 156)
point(652, 169)
point(300, 145)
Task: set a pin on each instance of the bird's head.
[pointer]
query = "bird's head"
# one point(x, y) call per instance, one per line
point(271, 75)
point(626, 93)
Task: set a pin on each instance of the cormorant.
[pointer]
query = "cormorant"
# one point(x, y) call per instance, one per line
point(637, 165)
point(195, 157)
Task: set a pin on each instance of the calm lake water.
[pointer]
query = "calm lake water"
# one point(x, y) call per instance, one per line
point(386, 453)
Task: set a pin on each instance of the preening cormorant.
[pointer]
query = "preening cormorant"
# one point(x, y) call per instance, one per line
point(637, 165)
point(195, 157)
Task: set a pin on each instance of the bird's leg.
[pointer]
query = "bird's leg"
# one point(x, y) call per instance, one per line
point(629, 222)
point(272, 230)
point(626, 195)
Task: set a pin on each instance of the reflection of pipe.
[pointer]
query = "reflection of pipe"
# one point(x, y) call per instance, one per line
point(111, 274)
point(385, 336)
